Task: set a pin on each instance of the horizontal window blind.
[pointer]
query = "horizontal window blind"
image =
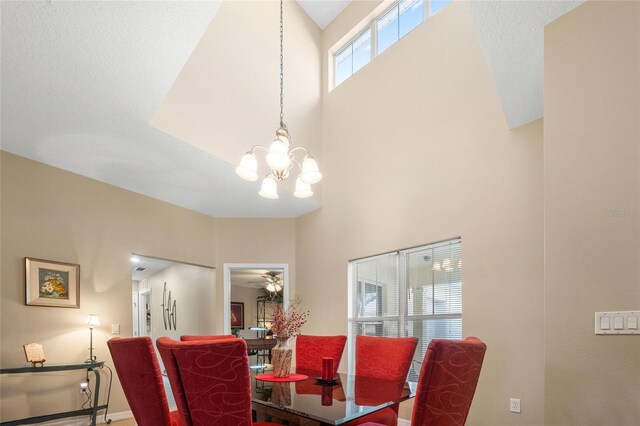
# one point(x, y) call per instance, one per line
point(413, 292)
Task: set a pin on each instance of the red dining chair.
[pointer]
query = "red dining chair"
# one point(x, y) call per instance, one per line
point(188, 338)
point(139, 372)
point(447, 382)
point(387, 358)
point(311, 349)
point(214, 379)
point(164, 345)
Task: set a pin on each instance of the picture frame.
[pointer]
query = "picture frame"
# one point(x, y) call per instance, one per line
point(51, 283)
point(237, 315)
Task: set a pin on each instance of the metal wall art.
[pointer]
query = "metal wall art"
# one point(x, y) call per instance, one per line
point(169, 311)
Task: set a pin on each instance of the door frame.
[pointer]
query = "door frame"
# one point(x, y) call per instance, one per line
point(229, 267)
point(142, 314)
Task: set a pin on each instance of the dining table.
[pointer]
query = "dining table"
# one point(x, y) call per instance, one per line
point(310, 402)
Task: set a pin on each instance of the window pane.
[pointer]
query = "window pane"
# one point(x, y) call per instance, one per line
point(344, 65)
point(362, 50)
point(436, 5)
point(376, 328)
point(387, 29)
point(435, 280)
point(377, 287)
point(428, 278)
point(411, 15)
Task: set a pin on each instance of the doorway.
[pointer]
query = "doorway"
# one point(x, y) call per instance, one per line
point(171, 298)
point(270, 280)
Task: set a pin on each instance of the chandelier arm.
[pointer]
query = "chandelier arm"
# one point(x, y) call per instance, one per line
point(294, 160)
point(299, 148)
point(253, 148)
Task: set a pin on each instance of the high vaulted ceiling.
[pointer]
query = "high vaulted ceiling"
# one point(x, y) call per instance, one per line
point(81, 82)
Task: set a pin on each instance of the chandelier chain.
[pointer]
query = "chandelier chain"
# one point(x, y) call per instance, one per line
point(281, 67)
point(281, 157)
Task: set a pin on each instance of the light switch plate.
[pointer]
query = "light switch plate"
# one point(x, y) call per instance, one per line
point(115, 328)
point(620, 322)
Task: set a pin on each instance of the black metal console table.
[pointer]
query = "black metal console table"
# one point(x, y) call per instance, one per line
point(91, 411)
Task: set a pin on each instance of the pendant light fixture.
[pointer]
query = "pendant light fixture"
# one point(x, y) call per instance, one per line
point(280, 158)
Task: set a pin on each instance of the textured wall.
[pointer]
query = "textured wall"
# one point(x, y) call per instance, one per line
point(417, 150)
point(592, 225)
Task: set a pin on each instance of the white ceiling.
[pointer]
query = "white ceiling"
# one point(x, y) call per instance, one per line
point(82, 80)
point(151, 265)
point(511, 34)
point(250, 277)
point(323, 11)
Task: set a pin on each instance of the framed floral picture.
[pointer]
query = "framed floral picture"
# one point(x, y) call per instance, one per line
point(50, 283)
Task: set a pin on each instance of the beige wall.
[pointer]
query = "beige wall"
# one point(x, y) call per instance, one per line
point(53, 214)
point(193, 288)
point(416, 150)
point(592, 174)
point(255, 241)
point(248, 296)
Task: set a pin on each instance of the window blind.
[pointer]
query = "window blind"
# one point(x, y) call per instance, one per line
point(414, 292)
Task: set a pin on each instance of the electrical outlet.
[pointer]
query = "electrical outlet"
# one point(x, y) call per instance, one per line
point(514, 405)
point(84, 387)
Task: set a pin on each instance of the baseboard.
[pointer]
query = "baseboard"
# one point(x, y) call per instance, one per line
point(82, 420)
point(404, 422)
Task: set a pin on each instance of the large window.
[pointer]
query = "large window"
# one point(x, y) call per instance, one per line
point(414, 292)
point(388, 27)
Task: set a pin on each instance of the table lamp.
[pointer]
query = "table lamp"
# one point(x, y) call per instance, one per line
point(92, 321)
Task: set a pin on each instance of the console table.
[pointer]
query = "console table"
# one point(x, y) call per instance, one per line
point(91, 411)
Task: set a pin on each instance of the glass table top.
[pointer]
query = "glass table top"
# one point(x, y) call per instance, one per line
point(351, 397)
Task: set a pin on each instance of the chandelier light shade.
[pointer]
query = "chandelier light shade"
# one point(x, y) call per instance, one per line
point(303, 189)
point(269, 188)
point(280, 157)
point(248, 168)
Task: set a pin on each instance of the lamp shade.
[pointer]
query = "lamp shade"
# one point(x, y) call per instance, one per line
point(303, 190)
point(278, 157)
point(248, 167)
point(92, 320)
point(269, 188)
point(310, 172)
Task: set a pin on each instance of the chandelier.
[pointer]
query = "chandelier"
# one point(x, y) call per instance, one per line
point(280, 158)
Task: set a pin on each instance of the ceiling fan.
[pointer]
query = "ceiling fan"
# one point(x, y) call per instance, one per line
point(272, 280)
